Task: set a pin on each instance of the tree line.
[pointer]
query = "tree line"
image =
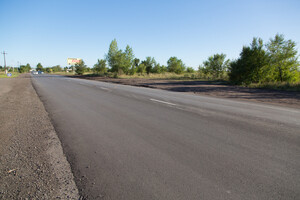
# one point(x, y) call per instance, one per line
point(275, 61)
point(22, 69)
point(123, 62)
point(39, 67)
point(26, 68)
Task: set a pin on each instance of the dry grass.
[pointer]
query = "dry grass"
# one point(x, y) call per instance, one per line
point(166, 75)
point(62, 73)
point(284, 86)
point(68, 73)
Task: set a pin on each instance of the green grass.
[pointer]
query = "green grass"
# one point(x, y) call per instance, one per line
point(14, 74)
point(283, 86)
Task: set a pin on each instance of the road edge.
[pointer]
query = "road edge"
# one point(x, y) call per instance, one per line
point(58, 161)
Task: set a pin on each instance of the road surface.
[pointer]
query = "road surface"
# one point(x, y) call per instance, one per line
point(127, 142)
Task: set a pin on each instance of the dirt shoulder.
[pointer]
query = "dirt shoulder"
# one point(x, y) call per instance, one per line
point(212, 88)
point(32, 163)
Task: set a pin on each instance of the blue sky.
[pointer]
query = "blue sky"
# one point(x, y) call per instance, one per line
point(49, 32)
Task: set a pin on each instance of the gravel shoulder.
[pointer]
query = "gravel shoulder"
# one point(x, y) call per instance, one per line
point(32, 163)
point(212, 88)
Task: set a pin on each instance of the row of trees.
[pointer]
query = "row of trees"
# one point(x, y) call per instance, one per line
point(57, 68)
point(275, 61)
point(123, 61)
point(54, 69)
point(22, 69)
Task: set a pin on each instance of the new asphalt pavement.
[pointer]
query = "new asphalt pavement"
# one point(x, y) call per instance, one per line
point(127, 142)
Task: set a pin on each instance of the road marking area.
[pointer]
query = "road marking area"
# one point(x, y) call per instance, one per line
point(165, 102)
point(103, 88)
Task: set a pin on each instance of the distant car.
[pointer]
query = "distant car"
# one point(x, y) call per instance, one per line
point(40, 72)
point(35, 72)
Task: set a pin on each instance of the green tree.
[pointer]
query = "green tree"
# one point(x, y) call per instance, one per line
point(136, 62)
point(80, 68)
point(113, 55)
point(118, 60)
point(132, 70)
point(175, 65)
point(28, 67)
point(100, 66)
point(141, 68)
point(134, 66)
point(250, 66)
point(39, 67)
point(216, 65)
point(157, 69)
point(22, 69)
point(48, 70)
point(190, 70)
point(25, 68)
point(127, 59)
point(56, 68)
point(149, 64)
point(283, 59)
point(163, 69)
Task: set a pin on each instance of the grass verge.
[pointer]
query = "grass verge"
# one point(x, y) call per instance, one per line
point(14, 74)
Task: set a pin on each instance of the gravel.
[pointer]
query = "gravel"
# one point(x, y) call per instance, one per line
point(32, 162)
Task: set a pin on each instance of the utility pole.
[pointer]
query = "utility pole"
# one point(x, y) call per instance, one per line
point(18, 66)
point(4, 62)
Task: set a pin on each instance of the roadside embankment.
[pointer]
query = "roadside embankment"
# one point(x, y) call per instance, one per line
point(32, 163)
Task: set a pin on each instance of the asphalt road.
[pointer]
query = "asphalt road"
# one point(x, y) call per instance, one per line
point(126, 142)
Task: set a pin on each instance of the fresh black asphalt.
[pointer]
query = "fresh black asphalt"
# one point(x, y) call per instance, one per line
point(127, 142)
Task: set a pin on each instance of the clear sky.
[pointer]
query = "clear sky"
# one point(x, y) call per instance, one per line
point(49, 32)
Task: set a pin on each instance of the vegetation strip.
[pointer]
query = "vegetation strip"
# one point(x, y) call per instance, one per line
point(272, 65)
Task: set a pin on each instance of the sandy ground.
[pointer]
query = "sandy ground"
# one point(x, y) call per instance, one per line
point(215, 89)
point(32, 163)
